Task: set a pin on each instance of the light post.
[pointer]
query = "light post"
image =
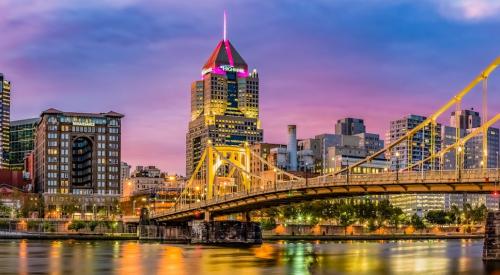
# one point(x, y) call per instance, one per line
point(275, 179)
point(348, 170)
point(397, 167)
point(307, 173)
point(93, 210)
point(133, 207)
point(498, 171)
point(459, 162)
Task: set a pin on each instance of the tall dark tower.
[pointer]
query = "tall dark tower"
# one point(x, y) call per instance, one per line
point(5, 121)
point(224, 104)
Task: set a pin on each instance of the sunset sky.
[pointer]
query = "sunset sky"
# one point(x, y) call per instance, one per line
point(318, 61)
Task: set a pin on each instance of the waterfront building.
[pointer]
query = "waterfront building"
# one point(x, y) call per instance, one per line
point(151, 180)
point(5, 87)
point(449, 137)
point(340, 157)
point(264, 150)
point(467, 119)
point(420, 146)
point(326, 153)
point(473, 153)
point(371, 142)
point(471, 156)
point(350, 126)
point(22, 141)
point(77, 160)
point(124, 174)
point(224, 104)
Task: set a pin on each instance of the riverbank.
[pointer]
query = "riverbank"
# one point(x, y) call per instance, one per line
point(66, 236)
point(109, 237)
point(369, 237)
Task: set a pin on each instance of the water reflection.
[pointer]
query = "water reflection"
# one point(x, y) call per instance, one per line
point(132, 257)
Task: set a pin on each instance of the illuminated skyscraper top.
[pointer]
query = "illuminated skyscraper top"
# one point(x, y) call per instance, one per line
point(224, 104)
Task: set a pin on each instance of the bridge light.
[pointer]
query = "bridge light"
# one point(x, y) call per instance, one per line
point(495, 194)
point(397, 154)
point(459, 148)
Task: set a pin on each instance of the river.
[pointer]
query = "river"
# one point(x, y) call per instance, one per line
point(346, 257)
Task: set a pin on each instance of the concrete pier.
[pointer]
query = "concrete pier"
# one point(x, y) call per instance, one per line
point(204, 232)
point(226, 232)
point(491, 248)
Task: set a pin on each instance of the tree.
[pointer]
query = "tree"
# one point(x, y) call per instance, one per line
point(268, 224)
point(92, 225)
point(479, 213)
point(467, 214)
point(437, 217)
point(5, 211)
point(455, 214)
point(397, 217)
point(76, 225)
point(417, 222)
point(347, 215)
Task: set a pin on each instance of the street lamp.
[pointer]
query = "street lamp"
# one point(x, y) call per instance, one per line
point(275, 179)
point(397, 166)
point(348, 170)
point(307, 173)
point(133, 207)
point(459, 162)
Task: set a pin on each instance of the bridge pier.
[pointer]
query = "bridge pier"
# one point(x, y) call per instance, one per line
point(491, 248)
point(206, 231)
point(208, 216)
point(225, 232)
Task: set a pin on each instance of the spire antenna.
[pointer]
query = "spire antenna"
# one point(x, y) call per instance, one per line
point(225, 26)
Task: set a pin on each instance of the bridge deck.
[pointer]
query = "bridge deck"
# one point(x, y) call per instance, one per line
point(282, 192)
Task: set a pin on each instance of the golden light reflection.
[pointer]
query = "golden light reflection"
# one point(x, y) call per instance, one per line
point(130, 258)
point(23, 257)
point(55, 257)
point(172, 261)
point(265, 251)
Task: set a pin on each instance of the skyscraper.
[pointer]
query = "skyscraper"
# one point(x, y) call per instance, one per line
point(419, 147)
point(467, 119)
point(224, 104)
point(5, 121)
point(22, 141)
point(350, 126)
point(472, 155)
point(77, 161)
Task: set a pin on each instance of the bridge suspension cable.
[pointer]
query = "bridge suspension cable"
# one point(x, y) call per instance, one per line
point(407, 137)
point(459, 144)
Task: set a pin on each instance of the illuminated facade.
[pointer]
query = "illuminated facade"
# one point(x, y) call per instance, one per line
point(5, 121)
point(420, 146)
point(77, 158)
point(224, 104)
point(22, 141)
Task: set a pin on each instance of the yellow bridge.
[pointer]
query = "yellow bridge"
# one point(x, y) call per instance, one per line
point(233, 179)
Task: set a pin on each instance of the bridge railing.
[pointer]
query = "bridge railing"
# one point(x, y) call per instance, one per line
point(428, 177)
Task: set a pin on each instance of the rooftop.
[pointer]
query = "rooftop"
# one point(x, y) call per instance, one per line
point(56, 111)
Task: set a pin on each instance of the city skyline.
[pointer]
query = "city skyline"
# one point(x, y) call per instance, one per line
point(324, 88)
